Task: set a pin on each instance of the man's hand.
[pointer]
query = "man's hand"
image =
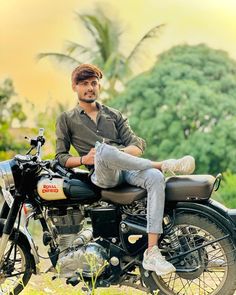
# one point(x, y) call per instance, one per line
point(89, 158)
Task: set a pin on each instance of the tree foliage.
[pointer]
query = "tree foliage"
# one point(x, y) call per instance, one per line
point(10, 113)
point(227, 191)
point(104, 49)
point(186, 105)
point(47, 120)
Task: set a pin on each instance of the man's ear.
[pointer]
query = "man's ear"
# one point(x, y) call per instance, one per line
point(73, 86)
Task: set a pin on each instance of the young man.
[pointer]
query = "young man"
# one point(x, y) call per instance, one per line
point(106, 143)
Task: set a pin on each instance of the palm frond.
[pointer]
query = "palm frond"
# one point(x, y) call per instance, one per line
point(104, 33)
point(60, 57)
point(151, 34)
point(74, 47)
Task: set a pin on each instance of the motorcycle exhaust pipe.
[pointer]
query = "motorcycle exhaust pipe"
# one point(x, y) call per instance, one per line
point(129, 227)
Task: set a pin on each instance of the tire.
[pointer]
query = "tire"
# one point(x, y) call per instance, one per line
point(215, 264)
point(15, 284)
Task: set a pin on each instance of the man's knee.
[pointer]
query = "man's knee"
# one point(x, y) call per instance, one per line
point(155, 177)
point(104, 152)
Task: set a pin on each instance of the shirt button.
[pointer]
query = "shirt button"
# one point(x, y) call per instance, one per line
point(97, 131)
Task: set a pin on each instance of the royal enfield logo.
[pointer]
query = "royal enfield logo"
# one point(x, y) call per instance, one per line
point(49, 188)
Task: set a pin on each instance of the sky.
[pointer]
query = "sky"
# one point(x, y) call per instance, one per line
point(29, 27)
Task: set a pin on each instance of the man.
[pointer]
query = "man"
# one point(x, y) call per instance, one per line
point(106, 143)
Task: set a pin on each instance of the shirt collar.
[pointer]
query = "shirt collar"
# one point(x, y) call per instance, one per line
point(81, 110)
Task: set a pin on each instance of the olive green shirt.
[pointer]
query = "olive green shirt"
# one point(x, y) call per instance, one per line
point(76, 128)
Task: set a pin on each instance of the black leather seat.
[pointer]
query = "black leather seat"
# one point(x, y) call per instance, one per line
point(178, 188)
point(124, 194)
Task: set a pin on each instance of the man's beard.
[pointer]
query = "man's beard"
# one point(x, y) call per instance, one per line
point(88, 100)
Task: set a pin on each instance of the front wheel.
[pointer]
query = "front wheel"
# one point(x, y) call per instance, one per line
point(16, 269)
point(211, 268)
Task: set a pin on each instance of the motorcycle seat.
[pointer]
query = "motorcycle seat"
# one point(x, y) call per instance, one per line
point(124, 195)
point(182, 188)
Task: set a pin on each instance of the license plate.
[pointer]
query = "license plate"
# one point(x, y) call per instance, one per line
point(8, 197)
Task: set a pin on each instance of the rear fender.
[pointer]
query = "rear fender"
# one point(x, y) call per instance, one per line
point(212, 210)
point(25, 239)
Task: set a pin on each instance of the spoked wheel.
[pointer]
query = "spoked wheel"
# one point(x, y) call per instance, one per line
point(208, 270)
point(16, 269)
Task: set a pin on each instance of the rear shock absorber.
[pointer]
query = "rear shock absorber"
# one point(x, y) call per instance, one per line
point(170, 233)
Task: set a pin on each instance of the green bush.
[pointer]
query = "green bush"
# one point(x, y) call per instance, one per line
point(227, 191)
point(186, 105)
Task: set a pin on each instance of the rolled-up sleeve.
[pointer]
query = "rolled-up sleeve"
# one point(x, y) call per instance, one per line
point(62, 140)
point(127, 135)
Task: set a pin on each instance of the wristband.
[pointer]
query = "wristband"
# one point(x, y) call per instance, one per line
point(81, 160)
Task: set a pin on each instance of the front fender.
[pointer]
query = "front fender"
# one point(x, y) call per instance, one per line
point(213, 210)
point(24, 239)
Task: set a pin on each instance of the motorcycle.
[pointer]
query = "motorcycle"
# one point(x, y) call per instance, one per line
point(98, 236)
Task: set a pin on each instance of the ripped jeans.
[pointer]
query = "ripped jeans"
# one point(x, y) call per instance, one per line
point(112, 167)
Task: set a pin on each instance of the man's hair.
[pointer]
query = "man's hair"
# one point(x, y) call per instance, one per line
point(85, 71)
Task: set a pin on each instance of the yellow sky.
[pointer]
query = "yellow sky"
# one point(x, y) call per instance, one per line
point(28, 27)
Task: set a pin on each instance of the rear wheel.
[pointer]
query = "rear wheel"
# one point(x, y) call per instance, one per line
point(16, 269)
point(211, 268)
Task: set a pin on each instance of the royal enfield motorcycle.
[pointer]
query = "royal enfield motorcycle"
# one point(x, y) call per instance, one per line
point(98, 236)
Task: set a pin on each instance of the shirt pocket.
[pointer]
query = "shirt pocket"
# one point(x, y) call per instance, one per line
point(107, 126)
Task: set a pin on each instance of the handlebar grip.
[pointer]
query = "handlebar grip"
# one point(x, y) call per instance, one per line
point(56, 167)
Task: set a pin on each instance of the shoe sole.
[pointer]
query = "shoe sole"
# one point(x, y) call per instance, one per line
point(160, 273)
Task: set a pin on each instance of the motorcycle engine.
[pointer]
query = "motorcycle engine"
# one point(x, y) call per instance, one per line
point(136, 208)
point(67, 223)
point(87, 260)
point(78, 254)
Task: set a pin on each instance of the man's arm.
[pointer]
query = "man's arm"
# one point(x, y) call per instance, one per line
point(88, 159)
point(132, 150)
point(134, 145)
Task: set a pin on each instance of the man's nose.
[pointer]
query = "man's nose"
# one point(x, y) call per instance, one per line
point(90, 87)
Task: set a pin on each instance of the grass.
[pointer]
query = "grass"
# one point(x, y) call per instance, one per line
point(43, 284)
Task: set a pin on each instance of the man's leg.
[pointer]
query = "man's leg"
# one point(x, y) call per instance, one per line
point(110, 162)
point(153, 181)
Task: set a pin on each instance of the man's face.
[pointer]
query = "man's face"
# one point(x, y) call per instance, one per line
point(87, 90)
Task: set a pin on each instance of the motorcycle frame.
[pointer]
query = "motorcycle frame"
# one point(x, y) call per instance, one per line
point(8, 218)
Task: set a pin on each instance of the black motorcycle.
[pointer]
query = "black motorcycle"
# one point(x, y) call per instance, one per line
point(98, 236)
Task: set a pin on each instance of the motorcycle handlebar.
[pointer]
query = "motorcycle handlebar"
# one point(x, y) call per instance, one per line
point(56, 167)
point(41, 132)
point(37, 143)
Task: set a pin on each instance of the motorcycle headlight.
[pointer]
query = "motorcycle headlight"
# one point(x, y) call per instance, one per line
point(6, 175)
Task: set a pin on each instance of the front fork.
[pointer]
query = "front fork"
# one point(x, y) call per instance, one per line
point(9, 225)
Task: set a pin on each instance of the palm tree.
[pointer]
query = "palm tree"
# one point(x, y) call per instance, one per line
point(105, 50)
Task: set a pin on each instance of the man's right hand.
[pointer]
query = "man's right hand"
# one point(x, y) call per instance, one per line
point(89, 158)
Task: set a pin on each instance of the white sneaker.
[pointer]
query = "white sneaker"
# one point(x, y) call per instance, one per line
point(185, 165)
point(154, 261)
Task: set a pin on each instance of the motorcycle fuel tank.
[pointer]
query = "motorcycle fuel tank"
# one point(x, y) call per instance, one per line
point(60, 188)
point(51, 189)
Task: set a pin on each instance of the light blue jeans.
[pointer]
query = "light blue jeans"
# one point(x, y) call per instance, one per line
point(112, 167)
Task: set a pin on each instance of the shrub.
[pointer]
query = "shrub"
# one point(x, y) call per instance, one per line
point(227, 190)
